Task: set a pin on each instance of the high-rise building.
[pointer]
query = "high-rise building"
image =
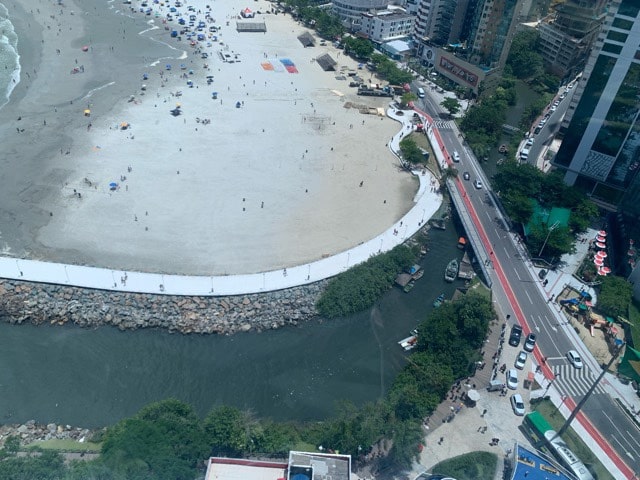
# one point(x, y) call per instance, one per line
point(601, 145)
point(566, 37)
point(491, 25)
point(467, 41)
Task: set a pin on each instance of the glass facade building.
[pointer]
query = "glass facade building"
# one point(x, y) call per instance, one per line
point(601, 141)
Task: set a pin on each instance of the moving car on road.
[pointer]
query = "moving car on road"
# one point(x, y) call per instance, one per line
point(478, 184)
point(574, 359)
point(456, 156)
point(466, 175)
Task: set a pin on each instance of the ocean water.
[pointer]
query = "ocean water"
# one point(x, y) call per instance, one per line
point(9, 57)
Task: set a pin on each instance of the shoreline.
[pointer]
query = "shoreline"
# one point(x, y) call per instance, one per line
point(57, 227)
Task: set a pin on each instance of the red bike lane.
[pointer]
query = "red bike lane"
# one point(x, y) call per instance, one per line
point(581, 418)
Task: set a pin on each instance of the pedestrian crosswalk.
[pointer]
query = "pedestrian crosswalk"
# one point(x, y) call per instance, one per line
point(442, 125)
point(573, 382)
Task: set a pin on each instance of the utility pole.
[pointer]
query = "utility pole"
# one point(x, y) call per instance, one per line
point(587, 395)
point(551, 229)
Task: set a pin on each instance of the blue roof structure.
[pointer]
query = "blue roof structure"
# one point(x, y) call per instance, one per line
point(532, 465)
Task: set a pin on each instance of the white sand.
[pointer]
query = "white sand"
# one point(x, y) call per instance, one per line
point(193, 222)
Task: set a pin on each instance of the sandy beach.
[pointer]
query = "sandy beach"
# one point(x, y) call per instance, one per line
point(291, 176)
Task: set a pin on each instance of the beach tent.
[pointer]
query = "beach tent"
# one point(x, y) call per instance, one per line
point(326, 62)
point(306, 39)
point(247, 13)
point(87, 112)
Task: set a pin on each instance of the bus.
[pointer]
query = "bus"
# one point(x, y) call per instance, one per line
point(543, 435)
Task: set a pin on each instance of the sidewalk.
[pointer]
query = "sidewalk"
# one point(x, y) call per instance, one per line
point(427, 201)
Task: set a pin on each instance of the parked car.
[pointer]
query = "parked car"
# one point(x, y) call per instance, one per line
point(521, 360)
point(530, 342)
point(529, 142)
point(517, 404)
point(574, 359)
point(512, 379)
point(516, 334)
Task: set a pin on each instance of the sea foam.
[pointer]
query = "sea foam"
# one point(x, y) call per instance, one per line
point(9, 57)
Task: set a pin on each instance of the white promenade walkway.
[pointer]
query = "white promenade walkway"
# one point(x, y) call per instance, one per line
point(426, 201)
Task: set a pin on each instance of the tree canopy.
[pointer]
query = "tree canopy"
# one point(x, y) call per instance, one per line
point(615, 296)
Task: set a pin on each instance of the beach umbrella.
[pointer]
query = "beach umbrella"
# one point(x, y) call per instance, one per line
point(87, 112)
point(168, 66)
point(631, 252)
point(85, 48)
point(601, 239)
point(631, 242)
point(602, 273)
point(602, 254)
point(602, 233)
point(606, 270)
point(600, 245)
point(598, 261)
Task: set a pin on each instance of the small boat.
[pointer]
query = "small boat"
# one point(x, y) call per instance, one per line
point(462, 243)
point(451, 272)
point(409, 286)
point(410, 342)
point(438, 301)
point(438, 223)
point(418, 275)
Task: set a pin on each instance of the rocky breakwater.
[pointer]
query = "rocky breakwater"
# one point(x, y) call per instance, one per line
point(31, 431)
point(23, 302)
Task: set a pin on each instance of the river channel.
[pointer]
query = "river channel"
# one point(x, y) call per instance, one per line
point(92, 378)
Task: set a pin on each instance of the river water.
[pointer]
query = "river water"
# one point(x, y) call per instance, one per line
point(92, 378)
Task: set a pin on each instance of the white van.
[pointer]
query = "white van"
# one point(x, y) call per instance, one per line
point(524, 154)
point(421, 93)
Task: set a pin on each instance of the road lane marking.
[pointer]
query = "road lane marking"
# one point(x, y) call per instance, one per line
point(527, 294)
point(517, 275)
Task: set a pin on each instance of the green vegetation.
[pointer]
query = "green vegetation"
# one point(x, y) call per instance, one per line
point(66, 445)
point(524, 61)
point(359, 48)
point(359, 287)
point(517, 184)
point(470, 466)
point(325, 23)
point(407, 98)
point(451, 105)
point(615, 296)
point(388, 70)
point(634, 318)
point(482, 124)
point(571, 438)
point(410, 151)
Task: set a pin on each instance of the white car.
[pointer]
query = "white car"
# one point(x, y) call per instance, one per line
point(574, 359)
point(477, 184)
point(456, 157)
point(512, 379)
point(521, 360)
point(529, 142)
point(517, 404)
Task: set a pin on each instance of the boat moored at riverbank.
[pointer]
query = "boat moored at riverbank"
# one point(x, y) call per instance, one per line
point(451, 272)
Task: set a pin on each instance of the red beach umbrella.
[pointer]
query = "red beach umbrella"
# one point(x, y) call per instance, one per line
point(85, 48)
point(606, 270)
point(598, 261)
point(601, 254)
point(600, 238)
point(602, 273)
point(602, 233)
point(600, 245)
point(631, 252)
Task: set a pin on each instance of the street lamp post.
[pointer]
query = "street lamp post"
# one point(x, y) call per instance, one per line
point(551, 229)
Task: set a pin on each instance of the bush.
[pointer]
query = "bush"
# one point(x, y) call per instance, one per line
point(359, 287)
point(470, 466)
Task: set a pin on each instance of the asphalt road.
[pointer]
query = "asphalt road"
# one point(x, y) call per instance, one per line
point(516, 292)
